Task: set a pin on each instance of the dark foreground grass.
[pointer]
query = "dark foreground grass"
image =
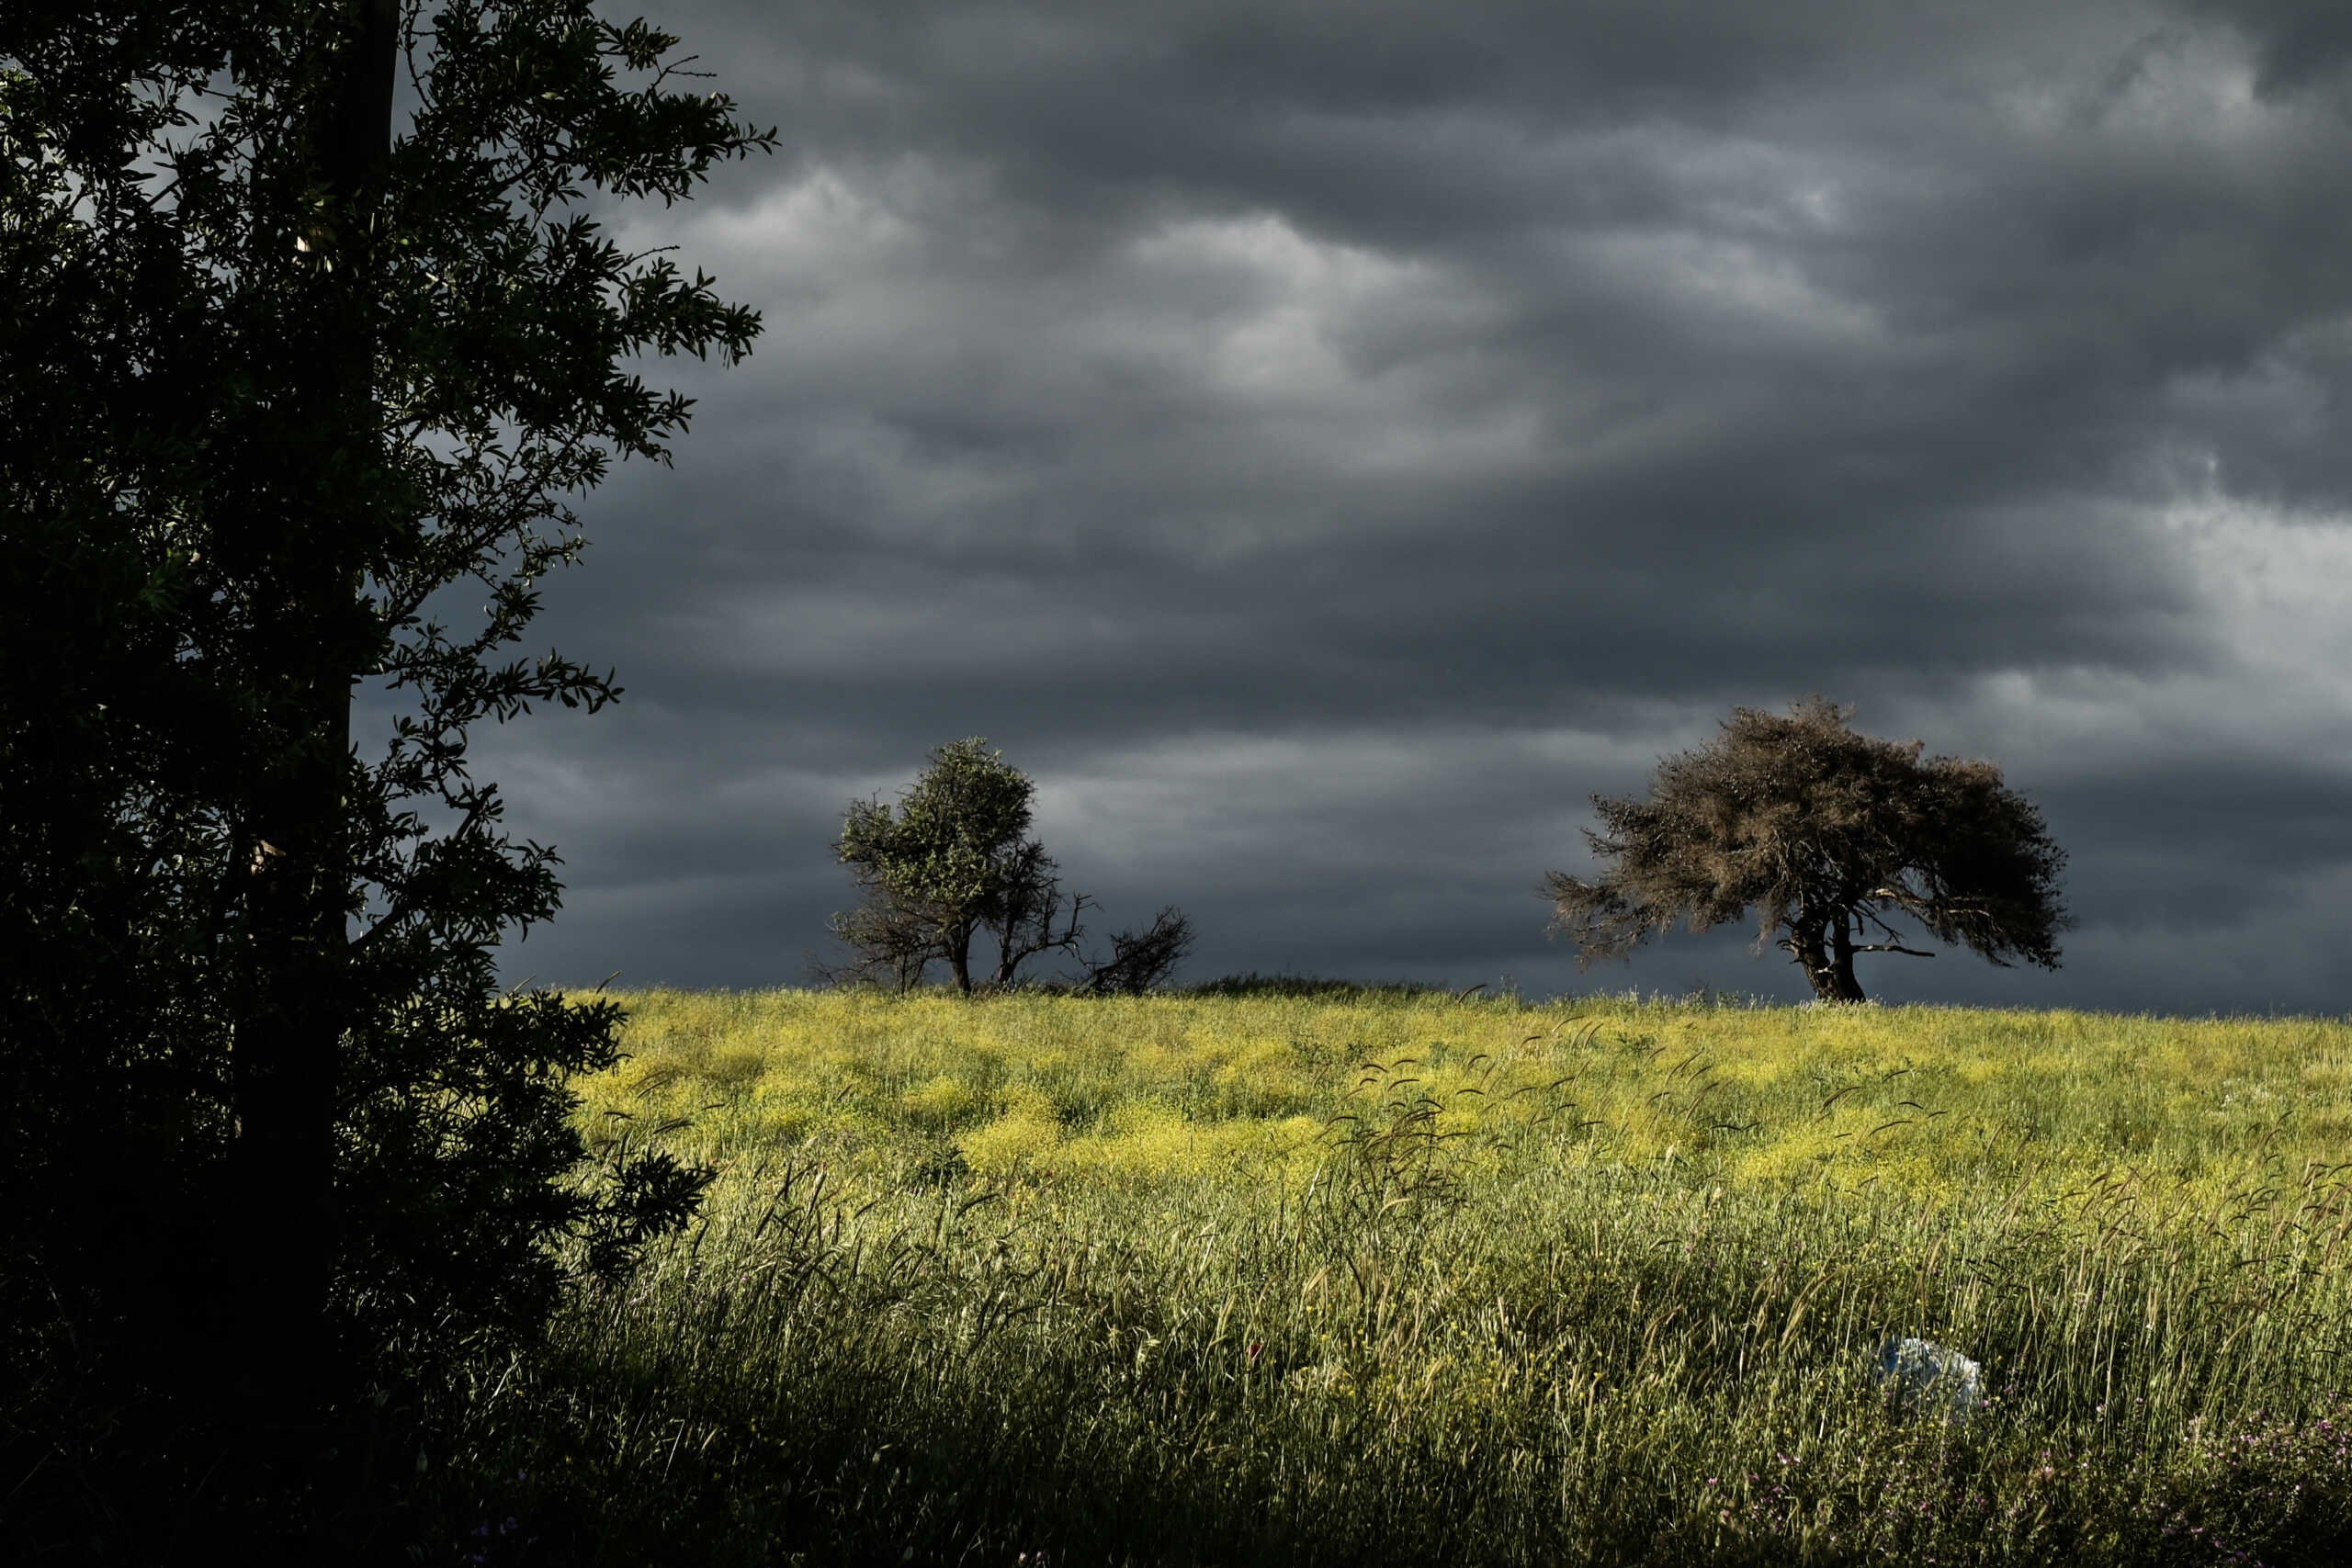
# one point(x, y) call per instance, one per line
point(1408, 1279)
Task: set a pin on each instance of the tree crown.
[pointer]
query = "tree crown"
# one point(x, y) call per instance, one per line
point(1822, 832)
point(955, 839)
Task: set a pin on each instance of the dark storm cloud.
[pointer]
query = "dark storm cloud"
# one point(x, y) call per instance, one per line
point(1325, 446)
point(2297, 44)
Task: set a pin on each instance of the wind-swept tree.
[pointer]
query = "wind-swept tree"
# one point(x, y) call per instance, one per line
point(1824, 833)
point(273, 377)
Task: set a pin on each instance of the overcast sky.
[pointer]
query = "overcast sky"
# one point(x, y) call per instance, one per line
point(1323, 444)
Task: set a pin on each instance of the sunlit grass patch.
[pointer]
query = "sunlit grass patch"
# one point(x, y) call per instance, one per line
point(1410, 1278)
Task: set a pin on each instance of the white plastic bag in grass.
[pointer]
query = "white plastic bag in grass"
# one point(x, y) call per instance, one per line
point(1922, 1376)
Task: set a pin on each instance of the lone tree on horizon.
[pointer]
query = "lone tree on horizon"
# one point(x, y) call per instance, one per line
point(1824, 833)
point(953, 858)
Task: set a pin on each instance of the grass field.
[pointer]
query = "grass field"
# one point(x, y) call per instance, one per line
point(1373, 1276)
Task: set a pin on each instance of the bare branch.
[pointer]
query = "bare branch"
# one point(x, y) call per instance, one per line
point(1141, 960)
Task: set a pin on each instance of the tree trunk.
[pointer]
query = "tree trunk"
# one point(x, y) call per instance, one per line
point(289, 1045)
point(283, 1085)
point(958, 944)
point(1825, 951)
point(1805, 943)
point(1843, 984)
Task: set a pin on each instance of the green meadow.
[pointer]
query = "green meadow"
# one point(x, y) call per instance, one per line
point(1331, 1274)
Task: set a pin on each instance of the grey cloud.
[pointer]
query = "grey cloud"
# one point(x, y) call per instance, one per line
point(2299, 45)
point(1324, 453)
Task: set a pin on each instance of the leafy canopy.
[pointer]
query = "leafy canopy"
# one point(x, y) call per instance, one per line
point(264, 427)
point(953, 855)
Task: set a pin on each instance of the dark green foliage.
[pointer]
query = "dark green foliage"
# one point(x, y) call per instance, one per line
point(267, 386)
point(1823, 833)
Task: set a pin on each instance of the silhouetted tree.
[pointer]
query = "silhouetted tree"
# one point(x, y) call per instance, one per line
point(270, 380)
point(1142, 960)
point(1823, 833)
